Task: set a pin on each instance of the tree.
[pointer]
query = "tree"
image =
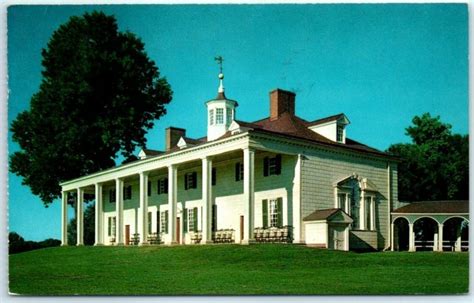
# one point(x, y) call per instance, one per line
point(89, 227)
point(99, 95)
point(17, 244)
point(435, 166)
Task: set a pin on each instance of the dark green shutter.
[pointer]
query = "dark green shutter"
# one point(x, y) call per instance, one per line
point(110, 227)
point(265, 166)
point(214, 176)
point(265, 213)
point(167, 220)
point(195, 179)
point(214, 217)
point(280, 211)
point(186, 181)
point(278, 164)
point(185, 220)
point(165, 187)
point(149, 188)
point(149, 222)
point(158, 222)
point(195, 218)
point(158, 187)
point(237, 171)
point(130, 192)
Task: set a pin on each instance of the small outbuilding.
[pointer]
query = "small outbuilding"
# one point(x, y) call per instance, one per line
point(328, 228)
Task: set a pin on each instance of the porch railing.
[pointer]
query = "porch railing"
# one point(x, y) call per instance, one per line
point(273, 234)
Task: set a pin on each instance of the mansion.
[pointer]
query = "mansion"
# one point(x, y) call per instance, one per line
point(279, 179)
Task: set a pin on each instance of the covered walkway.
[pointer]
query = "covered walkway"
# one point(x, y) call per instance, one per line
point(431, 225)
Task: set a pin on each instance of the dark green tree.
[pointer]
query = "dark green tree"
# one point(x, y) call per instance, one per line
point(435, 166)
point(89, 227)
point(99, 95)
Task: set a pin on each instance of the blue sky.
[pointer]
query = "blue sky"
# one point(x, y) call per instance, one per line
point(379, 64)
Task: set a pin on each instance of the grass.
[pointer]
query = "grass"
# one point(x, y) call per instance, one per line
point(233, 270)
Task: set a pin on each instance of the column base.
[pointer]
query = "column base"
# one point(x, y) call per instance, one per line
point(98, 244)
point(248, 241)
point(143, 244)
point(80, 244)
point(172, 243)
point(119, 244)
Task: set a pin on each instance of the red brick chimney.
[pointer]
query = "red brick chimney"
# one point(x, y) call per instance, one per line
point(172, 136)
point(281, 101)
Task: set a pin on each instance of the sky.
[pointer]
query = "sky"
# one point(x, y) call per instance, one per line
point(379, 64)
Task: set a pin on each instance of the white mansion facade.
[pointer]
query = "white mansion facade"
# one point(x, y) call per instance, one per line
point(279, 179)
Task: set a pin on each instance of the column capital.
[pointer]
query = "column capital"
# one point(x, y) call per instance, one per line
point(207, 158)
point(249, 149)
point(144, 173)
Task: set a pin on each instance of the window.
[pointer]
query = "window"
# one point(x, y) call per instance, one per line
point(163, 186)
point(111, 225)
point(164, 221)
point(112, 196)
point(272, 166)
point(369, 220)
point(340, 133)
point(211, 117)
point(228, 116)
point(272, 212)
point(190, 180)
point(214, 176)
point(127, 192)
point(149, 189)
point(192, 219)
point(219, 116)
point(355, 212)
point(239, 171)
point(341, 201)
point(149, 221)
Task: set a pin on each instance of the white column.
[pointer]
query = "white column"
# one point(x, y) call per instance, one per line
point(80, 217)
point(348, 206)
point(372, 213)
point(440, 237)
point(392, 231)
point(362, 214)
point(119, 211)
point(64, 220)
point(458, 238)
point(172, 200)
point(411, 237)
point(249, 198)
point(206, 200)
point(346, 239)
point(297, 201)
point(99, 231)
point(143, 230)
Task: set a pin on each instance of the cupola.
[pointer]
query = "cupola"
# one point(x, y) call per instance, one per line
point(220, 111)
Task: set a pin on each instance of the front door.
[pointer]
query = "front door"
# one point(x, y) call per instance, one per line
point(127, 234)
point(178, 234)
point(336, 237)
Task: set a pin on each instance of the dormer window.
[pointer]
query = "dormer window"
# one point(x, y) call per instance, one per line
point(219, 116)
point(228, 116)
point(340, 133)
point(211, 117)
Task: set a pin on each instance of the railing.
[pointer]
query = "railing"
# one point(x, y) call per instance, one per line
point(273, 234)
point(223, 236)
point(448, 245)
point(155, 238)
point(135, 239)
point(196, 237)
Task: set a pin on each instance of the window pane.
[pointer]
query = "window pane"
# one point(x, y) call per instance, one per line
point(341, 201)
point(228, 116)
point(368, 201)
point(340, 133)
point(273, 213)
point(211, 117)
point(355, 212)
point(219, 116)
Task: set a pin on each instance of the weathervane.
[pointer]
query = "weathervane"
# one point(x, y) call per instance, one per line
point(219, 61)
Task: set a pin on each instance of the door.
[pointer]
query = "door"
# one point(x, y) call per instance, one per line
point(178, 228)
point(241, 228)
point(127, 234)
point(336, 237)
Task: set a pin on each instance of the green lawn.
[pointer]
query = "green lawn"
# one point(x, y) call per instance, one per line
point(233, 270)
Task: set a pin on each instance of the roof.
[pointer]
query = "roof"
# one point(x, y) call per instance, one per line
point(327, 119)
point(435, 207)
point(335, 215)
point(152, 152)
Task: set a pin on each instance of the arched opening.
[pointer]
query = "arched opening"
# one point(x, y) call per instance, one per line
point(456, 234)
point(426, 234)
point(400, 233)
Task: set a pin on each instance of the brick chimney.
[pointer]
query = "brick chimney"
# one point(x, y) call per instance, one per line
point(281, 101)
point(172, 136)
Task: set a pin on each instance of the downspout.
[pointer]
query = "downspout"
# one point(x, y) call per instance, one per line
point(389, 207)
